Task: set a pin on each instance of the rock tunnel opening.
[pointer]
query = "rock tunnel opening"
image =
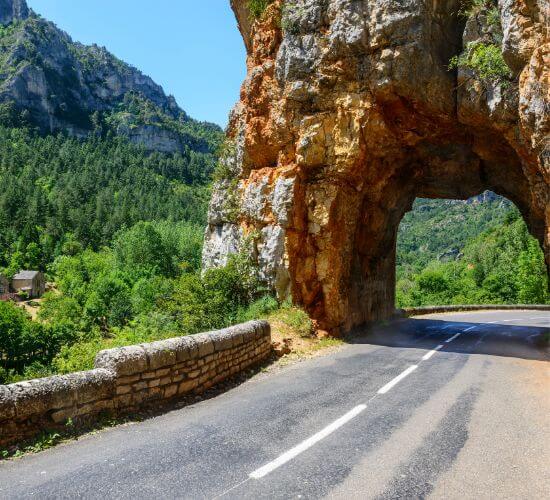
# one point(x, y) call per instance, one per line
point(475, 251)
point(343, 259)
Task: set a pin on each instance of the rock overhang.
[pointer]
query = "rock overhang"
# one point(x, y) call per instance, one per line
point(354, 106)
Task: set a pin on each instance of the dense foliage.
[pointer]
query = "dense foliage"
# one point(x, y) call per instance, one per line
point(59, 195)
point(503, 265)
point(146, 286)
point(440, 229)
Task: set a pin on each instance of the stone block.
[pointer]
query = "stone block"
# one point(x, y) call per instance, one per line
point(193, 348)
point(123, 361)
point(92, 385)
point(193, 374)
point(139, 386)
point(7, 403)
point(204, 343)
point(184, 347)
point(187, 386)
point(128, 380)
point(153, 393)
point(170, 391)
point(123, 401)
point(138, 398)
point(223, 339)
point(62, 416)
point(160, 354)
point(123, 389)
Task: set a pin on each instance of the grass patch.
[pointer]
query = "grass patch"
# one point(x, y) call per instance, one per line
point(327, 343)
point(258, 7)
point(50, 438)
point(295, 319)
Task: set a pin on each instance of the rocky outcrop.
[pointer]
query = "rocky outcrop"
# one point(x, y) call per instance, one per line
point(13, 10)
point(349, 112)
point(59, 84)
point(153, 138)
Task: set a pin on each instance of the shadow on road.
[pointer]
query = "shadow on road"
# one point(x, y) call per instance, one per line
point(518, 341)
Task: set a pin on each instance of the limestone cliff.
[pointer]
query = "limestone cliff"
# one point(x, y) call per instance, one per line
point(13, 10)
point(59, 84)
point(350, 111)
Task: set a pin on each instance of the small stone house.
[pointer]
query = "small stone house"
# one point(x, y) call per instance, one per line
point(4, 285)
point(32, 282)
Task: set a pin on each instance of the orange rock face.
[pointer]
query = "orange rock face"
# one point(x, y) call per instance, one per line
point(348, 113)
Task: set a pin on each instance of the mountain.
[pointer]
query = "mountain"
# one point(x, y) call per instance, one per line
point(57, 84)
point(89, 146)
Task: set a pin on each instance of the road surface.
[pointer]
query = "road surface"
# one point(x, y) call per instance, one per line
point(444, 406)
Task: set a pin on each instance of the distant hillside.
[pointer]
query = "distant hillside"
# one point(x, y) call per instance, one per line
point(468, 252)
point(89, 146)
point(440, 229)
point(59, 85)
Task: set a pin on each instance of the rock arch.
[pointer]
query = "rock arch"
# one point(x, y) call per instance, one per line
point(348, 113)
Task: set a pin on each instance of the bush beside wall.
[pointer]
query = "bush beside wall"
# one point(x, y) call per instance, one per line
point(132, 378)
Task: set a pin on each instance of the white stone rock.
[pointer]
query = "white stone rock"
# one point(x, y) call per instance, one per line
point(220, 241)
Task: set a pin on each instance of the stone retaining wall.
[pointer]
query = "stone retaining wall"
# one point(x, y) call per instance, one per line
point(128, 379)
point(420, 311)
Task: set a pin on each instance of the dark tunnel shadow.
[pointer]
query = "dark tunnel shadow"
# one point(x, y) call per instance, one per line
point(517, 341)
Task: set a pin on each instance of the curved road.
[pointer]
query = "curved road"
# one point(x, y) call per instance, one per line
point(443, 406)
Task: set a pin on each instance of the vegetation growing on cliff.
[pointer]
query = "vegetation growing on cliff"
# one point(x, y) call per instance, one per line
point(483, 57)
point(136, 110)
point(485, 60)
point(258, 7)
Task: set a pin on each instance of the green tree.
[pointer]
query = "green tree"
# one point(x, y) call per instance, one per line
point(141, 251)
point(532, 278)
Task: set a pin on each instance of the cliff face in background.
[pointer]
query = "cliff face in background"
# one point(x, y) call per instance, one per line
point(60, 84)
point(350, 111)
point(13, 10)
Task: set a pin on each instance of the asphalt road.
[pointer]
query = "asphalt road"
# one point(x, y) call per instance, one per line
point(445, 406)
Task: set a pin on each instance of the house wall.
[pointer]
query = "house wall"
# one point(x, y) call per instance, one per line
point(19, 284)
point(128, 379)
point(39, 285)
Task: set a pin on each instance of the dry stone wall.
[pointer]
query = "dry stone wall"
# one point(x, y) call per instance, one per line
point(131, 378)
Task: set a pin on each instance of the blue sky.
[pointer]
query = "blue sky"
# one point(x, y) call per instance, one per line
point(191, 47)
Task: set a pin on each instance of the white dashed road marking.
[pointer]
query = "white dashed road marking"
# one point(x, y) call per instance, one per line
point(397, 379)
point(455, 336)
point(431, 353)
point(308, 443)
point(334, 426)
